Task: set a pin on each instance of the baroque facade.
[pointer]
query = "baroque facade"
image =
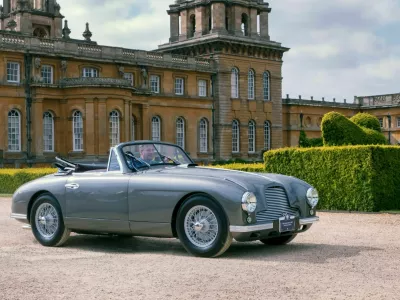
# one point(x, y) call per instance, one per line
point(215, 89)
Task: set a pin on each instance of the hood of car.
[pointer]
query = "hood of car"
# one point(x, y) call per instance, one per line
point(244, 179)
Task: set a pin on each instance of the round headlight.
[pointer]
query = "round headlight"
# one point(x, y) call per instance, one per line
point(312, 197)
point(249, 202)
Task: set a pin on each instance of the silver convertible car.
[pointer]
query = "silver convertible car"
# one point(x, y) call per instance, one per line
point(155, 189)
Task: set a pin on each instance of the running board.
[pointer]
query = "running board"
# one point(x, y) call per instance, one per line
point(26, 227)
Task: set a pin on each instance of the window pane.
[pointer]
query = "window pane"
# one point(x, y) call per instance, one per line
point(12, 72)
point(47, 74)
point(129, 76)
point(180, 133)
point(155, 124)
point(114, 128)
point(179, 86)
point(235, 136)
point(78, 131)
point(267, 136)
point(14, 131)
point(155, 84)
point(202, 88)
point(252, 129)
point(251, 85)
point(266, 85)
point(48, 132)
point(203, 136)
point(235, 83)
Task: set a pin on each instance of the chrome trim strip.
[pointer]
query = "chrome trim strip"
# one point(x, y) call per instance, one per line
point(18, 216)
point(308, 221)
point(266, 226)
point(26, 227)
point(251, 228)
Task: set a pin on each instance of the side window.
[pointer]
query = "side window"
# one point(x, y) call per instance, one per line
point(113, 165)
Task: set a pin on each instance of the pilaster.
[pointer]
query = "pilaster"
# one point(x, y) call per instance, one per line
point(127, 122)
point(89, 127)
point(37, 127)
point(103, 142)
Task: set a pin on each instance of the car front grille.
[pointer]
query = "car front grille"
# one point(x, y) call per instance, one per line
point(277, 204)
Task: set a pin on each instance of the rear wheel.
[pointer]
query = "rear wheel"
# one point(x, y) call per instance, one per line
point(47, 222)
point(281, 240)
point(203, 228)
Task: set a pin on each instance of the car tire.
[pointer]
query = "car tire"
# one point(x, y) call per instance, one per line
point(47, 222)
point(203, 228)
point(281, 240)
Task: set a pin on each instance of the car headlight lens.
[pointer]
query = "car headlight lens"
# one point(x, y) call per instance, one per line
point(312, 197)
point(249, 202)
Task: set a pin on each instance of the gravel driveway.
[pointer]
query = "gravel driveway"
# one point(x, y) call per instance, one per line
point(344, 256)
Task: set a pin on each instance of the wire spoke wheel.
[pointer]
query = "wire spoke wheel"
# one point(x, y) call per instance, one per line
point(47, 220)
point(201, 226)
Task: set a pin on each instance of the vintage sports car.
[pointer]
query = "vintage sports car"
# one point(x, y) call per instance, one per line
point(155, 189)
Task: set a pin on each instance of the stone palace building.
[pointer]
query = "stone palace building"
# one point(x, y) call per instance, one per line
point(215, 88)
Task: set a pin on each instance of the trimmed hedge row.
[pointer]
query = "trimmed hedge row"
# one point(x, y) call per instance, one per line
point(257, 167)
point(354, 178)
point(337, 130)
point(12, 179)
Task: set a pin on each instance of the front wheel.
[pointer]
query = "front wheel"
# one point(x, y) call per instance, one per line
point(281, 240)
point(47, 222)
point(203, 228)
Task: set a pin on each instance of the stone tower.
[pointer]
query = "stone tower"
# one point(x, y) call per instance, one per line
point(247, 88)
point(39, 18)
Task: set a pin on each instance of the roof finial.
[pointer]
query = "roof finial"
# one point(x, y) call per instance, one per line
point(87, 34)
point(66, 31)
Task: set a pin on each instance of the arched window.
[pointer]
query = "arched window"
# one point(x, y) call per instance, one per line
point(267, 135)
point(251, 85)
point(192, 25)
point(156, 129)
point(133, 129)
point(235, 83)
point(180, 132)
point(252, 137)
point(235, 136)
point(77, 129)
point(203, 135)
point(245, 25)
point(14, 131)
point(266, 86)
point(48, 132)
point(114, 128)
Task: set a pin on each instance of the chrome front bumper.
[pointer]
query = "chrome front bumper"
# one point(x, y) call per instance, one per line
point(267, 226)
point(18, 216)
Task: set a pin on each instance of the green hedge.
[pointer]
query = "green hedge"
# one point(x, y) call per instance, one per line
point(355, 178)
point(305, 142)
point(257, 167)
point(337, 130)
point(12, 179)
point(368, 121)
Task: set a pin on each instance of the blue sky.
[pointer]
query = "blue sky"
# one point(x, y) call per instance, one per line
point(339, 49)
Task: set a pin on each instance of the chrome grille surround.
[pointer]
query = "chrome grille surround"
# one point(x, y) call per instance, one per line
point(276, 204)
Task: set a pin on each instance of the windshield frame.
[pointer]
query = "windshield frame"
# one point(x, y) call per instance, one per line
point(126, 169)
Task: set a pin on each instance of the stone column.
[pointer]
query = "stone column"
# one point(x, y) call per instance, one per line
point(63, 138)
point(184, 25)
point(104, 141)
point(89, 128)
point(174, 27)
point(200, 21)
point(253, 22)
point(37, 127)
point(218, 17)
point(264, 25)
point(145, 122)
point(3, 127)
point(127, 122)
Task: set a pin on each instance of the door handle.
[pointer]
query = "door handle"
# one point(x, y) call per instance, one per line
point(72, 186)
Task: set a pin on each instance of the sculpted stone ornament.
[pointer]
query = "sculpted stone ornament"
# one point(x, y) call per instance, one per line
point(87, 34)
point(38, 62)
point(121, 70)
point(66, 31)
point(64, 66)
point(11, 25)
point(144, 77)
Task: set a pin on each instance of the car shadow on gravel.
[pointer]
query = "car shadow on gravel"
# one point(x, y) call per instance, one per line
point(133, 245)
point(296, 252)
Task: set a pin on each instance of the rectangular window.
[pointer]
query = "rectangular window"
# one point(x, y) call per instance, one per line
point(398, 122)
point(202, 88)
point(90, 72)
point(129, 76)
point(47, 74)
point(381, 122)
point(13, 72)
point(179, 86)
point(155, 84)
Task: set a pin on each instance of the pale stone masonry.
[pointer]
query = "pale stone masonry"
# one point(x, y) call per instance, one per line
point(58, 92)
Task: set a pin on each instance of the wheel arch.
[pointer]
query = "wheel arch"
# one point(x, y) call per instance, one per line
point(186, 198)
point(34, 198)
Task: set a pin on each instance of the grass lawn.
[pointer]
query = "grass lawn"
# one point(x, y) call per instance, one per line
point(5, 195)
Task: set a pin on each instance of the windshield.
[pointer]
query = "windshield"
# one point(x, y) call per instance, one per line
point(146, 155)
